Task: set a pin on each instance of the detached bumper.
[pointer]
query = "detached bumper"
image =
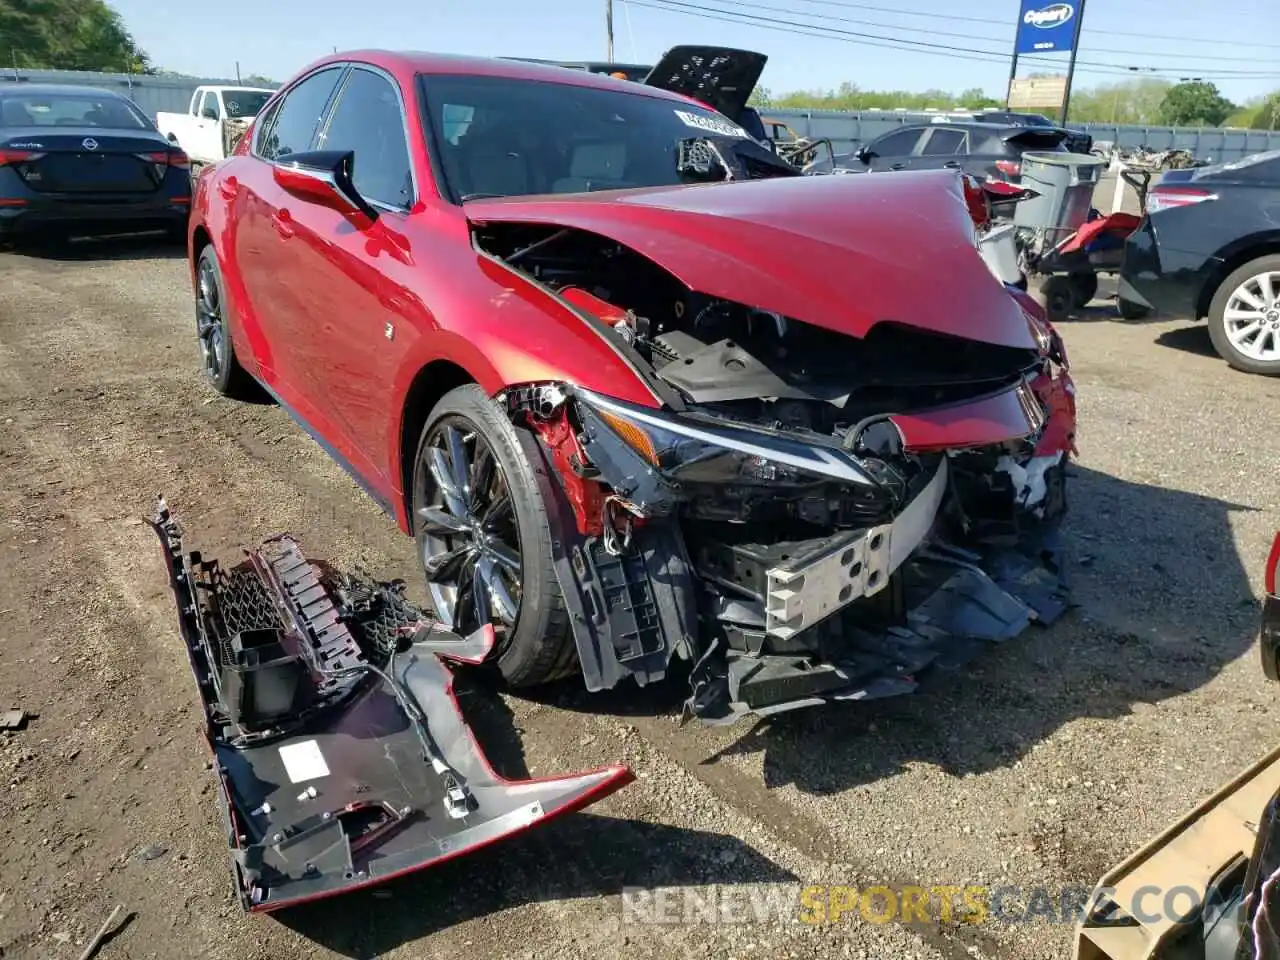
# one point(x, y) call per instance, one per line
point(341, 756)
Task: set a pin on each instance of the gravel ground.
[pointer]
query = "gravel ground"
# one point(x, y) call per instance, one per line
point(1046, 762)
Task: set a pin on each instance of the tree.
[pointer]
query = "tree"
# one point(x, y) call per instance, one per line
point(1267, 116)
point(67, 35)
point(1130, 101)
point(1195, 104)
point(257, 80)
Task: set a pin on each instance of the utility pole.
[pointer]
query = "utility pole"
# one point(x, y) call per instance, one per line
point(608, 30)
point(1071, 66)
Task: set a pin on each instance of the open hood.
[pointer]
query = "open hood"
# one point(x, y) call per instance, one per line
point(844, 253)
point(721, 77)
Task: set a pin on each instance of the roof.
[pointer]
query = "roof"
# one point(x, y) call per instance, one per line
point(55, 89)
point(412, 61)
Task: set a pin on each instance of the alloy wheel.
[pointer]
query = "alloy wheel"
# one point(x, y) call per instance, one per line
point(1251, 320)
point(471, 544)
point(211, 328)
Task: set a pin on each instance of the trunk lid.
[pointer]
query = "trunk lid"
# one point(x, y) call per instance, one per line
point(721, 77)
point(88, 160)
point(844, 253)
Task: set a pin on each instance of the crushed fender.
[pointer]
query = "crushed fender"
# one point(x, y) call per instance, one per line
point(342, 758)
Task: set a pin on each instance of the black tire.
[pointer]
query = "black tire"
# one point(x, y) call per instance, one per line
point(1270, 317)
point(1059, 297)
point(539, 646)
point(1131, 309)
point(1086, 287)
point(218, 358)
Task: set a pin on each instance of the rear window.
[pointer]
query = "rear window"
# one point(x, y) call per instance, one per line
point(244, 103)
point(70, 110)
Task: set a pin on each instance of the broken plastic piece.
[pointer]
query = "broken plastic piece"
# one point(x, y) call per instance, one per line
point(379, 729)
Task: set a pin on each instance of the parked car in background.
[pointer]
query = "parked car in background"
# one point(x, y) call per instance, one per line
point(83, 160)
point(216, 119)
point(1076, 141)
point(981, 149)
point(1209, 246)
point(643, 392)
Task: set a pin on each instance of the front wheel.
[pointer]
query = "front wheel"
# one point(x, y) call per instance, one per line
point(1059, 297)
point(1085, 286)
point(484, 540)
point(1244, 317)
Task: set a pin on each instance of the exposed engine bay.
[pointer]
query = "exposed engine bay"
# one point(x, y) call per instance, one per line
point(341, 756)
point(803, 520)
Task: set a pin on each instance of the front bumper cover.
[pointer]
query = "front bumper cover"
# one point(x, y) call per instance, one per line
point(339, 768)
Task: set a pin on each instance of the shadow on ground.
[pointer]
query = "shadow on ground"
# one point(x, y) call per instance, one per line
point(1164, 603)
point(580, 856)
point(149, 246)
point(1191, 339)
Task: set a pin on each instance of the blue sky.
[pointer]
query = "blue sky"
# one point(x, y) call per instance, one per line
point(1232, 42)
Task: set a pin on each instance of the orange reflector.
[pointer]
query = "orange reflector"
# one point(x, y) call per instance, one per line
point(631, 435)
point(179, 199)
point(6, 202)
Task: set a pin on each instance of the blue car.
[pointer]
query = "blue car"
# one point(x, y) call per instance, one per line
point(80, 161)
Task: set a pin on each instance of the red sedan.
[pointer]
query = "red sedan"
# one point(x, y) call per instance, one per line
point(642, 392)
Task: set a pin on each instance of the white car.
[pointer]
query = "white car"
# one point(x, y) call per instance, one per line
point(216, 119)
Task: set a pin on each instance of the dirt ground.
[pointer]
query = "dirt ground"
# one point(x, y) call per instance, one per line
point(1042, 764)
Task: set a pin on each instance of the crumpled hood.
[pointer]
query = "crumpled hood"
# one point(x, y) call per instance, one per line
point(841, 252)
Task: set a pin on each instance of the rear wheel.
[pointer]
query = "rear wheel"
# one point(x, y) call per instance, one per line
point(217, 354)
point(1244, 317)
point(484, 540)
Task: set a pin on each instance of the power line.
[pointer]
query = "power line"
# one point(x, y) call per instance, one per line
point(921, 46)
point(1004, 41)
point(849, 5)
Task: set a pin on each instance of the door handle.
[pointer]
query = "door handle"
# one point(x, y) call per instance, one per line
point(896, 166)
point(229, 188)
point(282, 221)
point(953, 164)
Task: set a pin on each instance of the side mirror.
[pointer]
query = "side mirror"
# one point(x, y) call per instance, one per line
point(323, 177)
point(864, 154)
point(209, 113)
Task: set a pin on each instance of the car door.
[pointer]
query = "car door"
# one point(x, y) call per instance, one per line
point(271, 271)
point(207, 128)
point(358, 315)
point(893, 151)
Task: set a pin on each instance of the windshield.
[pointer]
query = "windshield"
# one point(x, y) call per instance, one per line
point(70, 110)
point(244, 103)
point(502, 137)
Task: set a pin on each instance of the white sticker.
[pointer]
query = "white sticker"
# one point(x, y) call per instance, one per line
point(706, 124)
point(304, 761)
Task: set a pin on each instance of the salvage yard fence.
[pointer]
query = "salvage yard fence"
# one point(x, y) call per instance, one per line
point(156, 94)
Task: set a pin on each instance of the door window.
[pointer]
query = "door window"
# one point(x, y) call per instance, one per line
point(898, 144)
point(368, 121)
point(944, 143)
point(294, 124)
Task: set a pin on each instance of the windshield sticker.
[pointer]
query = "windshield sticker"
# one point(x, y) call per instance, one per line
point(710, 124)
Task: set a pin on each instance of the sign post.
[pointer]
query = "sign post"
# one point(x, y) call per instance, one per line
point(1047, 26)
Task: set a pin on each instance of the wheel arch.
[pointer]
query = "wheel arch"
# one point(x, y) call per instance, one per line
point(428, 385)
point(1232, 258)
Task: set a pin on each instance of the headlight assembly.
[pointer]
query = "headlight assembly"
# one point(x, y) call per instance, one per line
point(691, 451)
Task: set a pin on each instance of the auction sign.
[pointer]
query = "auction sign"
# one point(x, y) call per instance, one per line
point(1045, 27)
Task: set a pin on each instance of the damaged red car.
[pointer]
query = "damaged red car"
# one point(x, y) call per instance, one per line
point(650, 401)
